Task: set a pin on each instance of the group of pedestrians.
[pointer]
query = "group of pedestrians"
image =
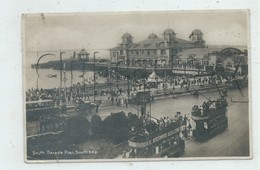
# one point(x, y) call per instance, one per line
point(151, 125)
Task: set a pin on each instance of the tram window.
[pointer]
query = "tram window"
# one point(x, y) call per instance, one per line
point(205, 125)
point(157, 149)
point(175, 142)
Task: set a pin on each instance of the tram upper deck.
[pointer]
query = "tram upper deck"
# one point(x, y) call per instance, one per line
point(209, 109)
point(159, 143)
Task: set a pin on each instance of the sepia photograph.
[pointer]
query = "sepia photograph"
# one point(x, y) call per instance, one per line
point(136, 86)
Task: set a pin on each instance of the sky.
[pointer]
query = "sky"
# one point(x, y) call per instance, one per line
point(101, 31)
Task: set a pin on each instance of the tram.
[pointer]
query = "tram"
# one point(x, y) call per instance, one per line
point(162, 143)
point(211, 120)
point(35, 109)
point(161, 139)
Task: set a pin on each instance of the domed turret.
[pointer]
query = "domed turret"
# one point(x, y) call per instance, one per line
point(168, 31)
point(127, 39)
point(169, 36)
point(152, 36)
point(197, 31)
point(127, 35)
point(196, 35)
point(83, 54)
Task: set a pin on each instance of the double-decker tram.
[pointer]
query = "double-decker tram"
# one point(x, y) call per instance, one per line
point(35, 109)
point(211, 119)
point(155, 137)
point(161, 143)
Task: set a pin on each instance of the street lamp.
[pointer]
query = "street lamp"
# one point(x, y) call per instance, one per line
point(65, 87)
point(95, 74)
point(61, 68)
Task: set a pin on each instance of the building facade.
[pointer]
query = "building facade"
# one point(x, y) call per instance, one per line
point(171, 51)
point(154, 48)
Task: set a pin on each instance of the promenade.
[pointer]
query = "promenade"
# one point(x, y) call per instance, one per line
point(107, 106)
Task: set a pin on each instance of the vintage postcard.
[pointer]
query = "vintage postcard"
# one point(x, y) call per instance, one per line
point(136, 86)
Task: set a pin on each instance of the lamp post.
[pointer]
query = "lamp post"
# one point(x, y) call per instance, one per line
point(95, 74)
point(71, 76)
point(61, 68)
point(65, 87)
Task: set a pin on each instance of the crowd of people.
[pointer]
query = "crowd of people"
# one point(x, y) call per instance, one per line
point(79, 91)
point(209, 105)
point(152, 125)
point(185, 82)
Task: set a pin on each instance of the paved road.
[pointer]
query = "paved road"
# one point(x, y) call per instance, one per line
point(166, 106)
